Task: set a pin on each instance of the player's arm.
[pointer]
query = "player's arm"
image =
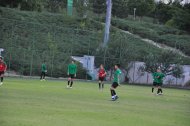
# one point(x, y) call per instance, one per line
point(119, 73)
point(118, 76)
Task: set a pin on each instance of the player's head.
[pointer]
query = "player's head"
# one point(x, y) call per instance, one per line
point(158, 70)
point(117, 66)
point(72, 61)
point(101, 66)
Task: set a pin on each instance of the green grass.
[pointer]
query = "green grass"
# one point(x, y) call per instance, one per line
point(35, 103)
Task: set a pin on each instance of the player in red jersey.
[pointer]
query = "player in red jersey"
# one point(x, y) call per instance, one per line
point(3, 68)
point(101, 76)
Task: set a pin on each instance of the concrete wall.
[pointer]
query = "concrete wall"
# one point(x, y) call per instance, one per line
point(135, 77)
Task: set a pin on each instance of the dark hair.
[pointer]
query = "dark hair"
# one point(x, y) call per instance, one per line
point(1, 57)
point(118, 65)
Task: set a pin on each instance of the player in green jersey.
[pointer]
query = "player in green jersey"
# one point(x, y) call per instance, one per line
point(160, 77)
point(155, 84)
point(116, 82)
point(72, 70)
point(158, 81)
point(43, 71)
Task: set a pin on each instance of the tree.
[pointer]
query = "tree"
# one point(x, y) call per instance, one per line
point(143, 7)
point(181, 19)
point(55, 5)
point(169, 62)
point(119, 8)
point(81, 8)
point(99, 6)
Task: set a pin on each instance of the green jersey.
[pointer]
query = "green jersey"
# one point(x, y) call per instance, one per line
point(158, 77)
point(72, 69)
point(43, 67)
point(116, 75)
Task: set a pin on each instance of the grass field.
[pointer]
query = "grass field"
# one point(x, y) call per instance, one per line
point(34, 103)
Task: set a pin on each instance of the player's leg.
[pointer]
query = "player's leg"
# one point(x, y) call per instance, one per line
point(161, 92)
point(113, 92)
point(41, 75)
point(44, 75)
point(158, 91)
point(154, 85)
point(69, 81)
point(72, 78)
point(99, 82)
point(102, 83)
point(1, 75)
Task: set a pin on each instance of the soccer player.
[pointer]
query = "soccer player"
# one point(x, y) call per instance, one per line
point(43, 71)
point(72, 70)
point(3, 68)
point(116, 83)
point(159, 76)
point(155, 84)
point(101, 76)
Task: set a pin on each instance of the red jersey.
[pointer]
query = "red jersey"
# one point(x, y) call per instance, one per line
point(2, 66)
point(102, 73)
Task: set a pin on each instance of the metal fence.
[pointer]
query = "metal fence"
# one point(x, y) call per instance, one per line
point(28, 44)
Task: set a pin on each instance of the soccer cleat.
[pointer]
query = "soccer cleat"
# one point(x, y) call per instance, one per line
point(67, 86)
point(113, 99)
point(70, 87)
point(116, 97)
point(1, 83)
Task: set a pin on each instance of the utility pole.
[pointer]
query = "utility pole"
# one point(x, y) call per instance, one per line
point(134, 13)
point(70, 7)
point(108, 21)
point(85, 4)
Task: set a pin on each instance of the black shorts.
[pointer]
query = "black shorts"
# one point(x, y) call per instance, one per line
point(2, 73)
point(115, 85)
point(155, 84)
point(101, 78)
point(160, 84)
point(71, 75)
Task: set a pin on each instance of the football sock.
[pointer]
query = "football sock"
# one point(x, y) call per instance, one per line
point(71, 84)
point(68, 82)
point(102, 85)
point(158, 91)
point(152, 90)
point(99, 85)
point(41, 77)
point(161, 90)
point(112, 94)
point(1, 79)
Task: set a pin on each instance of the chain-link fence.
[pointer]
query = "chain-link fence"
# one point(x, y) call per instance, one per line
point(27, 45)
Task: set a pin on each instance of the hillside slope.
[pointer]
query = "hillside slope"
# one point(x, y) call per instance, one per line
point(30, 37)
